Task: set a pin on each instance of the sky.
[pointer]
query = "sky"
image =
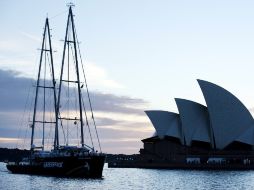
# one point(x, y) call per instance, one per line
point(138, 55)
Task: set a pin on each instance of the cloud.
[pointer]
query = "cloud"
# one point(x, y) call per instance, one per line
point(120, 119)
point(16, 54)
point(14, 90)
point(31, 36)
point(114, 103)
point(99, 76)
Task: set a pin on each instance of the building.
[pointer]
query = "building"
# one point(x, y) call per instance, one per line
point(217, 136)
point(221, 131)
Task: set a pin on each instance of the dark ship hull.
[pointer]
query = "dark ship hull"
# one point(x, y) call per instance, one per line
point(90, 166)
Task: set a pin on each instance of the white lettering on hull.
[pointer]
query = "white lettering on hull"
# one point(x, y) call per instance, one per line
point(87, 166)
point(53, 164)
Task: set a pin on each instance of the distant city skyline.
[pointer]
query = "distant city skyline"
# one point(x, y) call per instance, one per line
point(138, 55)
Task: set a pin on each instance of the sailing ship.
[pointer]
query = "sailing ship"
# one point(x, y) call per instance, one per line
point(80, 160)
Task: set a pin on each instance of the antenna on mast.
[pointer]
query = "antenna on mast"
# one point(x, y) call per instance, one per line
point(70, 4)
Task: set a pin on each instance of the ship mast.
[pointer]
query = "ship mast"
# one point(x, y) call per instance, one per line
point(70, 32)
point(44, 53)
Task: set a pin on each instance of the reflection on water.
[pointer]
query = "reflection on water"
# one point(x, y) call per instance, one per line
point(117, 178)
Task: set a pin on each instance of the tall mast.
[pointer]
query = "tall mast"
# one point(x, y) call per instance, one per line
point(71, 28)
point(44, 51)
point(56, 140)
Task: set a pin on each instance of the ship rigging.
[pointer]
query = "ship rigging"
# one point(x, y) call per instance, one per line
point(70, 109)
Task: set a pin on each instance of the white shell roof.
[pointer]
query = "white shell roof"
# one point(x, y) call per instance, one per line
point(165, 123)
point(230, 119)
point(194, 120)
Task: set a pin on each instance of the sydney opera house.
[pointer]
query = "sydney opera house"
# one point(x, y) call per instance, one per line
point(221, 132)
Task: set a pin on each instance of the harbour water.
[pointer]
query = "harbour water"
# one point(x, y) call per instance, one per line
point(129, 178)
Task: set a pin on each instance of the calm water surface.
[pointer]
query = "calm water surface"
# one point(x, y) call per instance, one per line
point(122, 179)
